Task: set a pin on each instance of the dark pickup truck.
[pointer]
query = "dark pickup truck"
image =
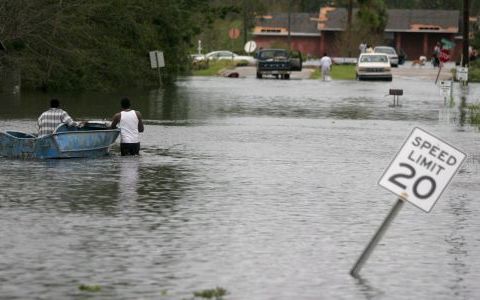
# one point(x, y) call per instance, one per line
point(277, 62)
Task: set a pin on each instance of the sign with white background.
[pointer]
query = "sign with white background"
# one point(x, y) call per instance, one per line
point(422, 169)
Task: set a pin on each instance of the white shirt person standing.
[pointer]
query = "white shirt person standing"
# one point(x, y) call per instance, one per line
point(325, 65)
point(130, 124)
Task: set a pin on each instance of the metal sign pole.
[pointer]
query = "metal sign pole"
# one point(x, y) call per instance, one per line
point(158, 69)
point(376, 238)
point(439, 70)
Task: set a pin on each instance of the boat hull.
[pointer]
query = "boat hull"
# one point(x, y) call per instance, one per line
point(65, 142)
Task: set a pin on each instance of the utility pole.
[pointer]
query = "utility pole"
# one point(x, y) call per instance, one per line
point(466, 27)
point(289, 24)
point(245, 22)
point(349, 27)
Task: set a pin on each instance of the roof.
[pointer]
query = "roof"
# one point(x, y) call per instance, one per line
point(425, 20)
point(399, 20)
point(301, 24)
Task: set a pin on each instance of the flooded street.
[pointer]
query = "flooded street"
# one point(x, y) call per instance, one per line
point(266, 188)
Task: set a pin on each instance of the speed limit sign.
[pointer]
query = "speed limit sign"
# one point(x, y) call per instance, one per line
point(422, 169)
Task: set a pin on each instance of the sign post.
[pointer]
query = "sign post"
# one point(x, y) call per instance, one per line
point(376, 238)
point(443, 56)
point(419, 174)
point(462, 74)
point(446, 90)
point(157, 62)
point(233, 34)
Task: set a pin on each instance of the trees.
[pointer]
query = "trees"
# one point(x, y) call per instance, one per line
point(367, 26)
point(89, 44)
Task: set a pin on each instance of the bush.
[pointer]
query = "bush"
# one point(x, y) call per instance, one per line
point(474, 71)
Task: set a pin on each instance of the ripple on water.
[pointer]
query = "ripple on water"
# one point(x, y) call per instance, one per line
point(265, 188)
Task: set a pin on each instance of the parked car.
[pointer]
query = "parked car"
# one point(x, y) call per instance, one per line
point(390, 52)
point(229, 55)
point(197, 57)
point(277, 62)
point(373, 66)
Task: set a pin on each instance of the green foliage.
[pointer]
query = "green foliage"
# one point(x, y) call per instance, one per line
point(474, 114)
point(89, 288)
point(216, 38)
point(98, 45)
point(475, 42)
point(439, 4)
point(214, 68)
point(474, 71)
point(216, 293)
point(372, 15)
point(405, 4)
point(338, 72)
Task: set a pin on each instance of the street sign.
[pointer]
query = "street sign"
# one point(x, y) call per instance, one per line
point(156, 59)
point(250, 46)
point(447, 44)
point(444, 55)
point(462, 74)
point(446, 88)
point(234, 33)
point(422, 169)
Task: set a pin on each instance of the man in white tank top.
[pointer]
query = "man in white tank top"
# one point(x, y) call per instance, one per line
point(130, 124)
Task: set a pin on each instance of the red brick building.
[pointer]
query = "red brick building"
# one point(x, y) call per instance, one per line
point(414, 31)
point(272, 31)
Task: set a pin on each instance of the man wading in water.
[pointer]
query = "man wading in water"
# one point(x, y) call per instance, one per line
point(130, 124)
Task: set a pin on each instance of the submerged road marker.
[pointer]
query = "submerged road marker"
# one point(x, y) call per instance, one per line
point(419, 174)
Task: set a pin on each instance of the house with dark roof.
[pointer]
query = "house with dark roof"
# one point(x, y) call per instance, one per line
point(417, 31)
point(414, 31)
point(273, 30)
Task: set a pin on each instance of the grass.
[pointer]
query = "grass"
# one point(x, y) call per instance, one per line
point(474, 110)
point(338, 72)
point(213, 68)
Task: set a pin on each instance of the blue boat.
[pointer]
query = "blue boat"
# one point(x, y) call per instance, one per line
point(92, 140)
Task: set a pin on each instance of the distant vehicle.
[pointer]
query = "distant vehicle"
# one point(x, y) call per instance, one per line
point(277, 62)
point(390, 52)
point(229, 55)
point(197, 57)
point(373, 66)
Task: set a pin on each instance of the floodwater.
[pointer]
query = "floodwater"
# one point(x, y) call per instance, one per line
point(266, 188)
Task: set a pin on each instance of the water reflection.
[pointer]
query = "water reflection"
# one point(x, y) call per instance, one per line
point(253, 198)
point(161, 187)
point(168, 104)
point(77, 185)
point(463, 111)
point(458, 245)
point(367, 290)
point(351, 112)
point(127, 183)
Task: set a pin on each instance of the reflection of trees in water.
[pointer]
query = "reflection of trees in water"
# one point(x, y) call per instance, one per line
point(71, 185)
point(106, 186)
point(350, 112)
point(160, 187)
point(168, 103)
point(463, 111)
point(457, 243)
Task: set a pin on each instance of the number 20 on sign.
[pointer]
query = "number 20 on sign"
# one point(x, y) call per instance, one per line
point(422, 169)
